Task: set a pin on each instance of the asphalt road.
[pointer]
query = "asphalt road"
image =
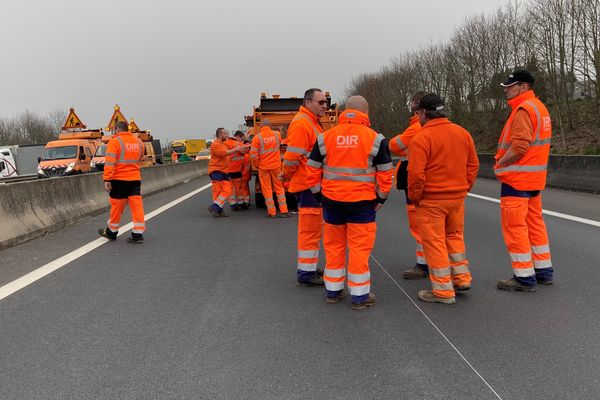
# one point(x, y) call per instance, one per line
point(207, 309)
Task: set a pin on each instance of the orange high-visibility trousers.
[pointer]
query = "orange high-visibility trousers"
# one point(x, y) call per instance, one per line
point(413, 226)
point(269, 182)
point(526, 237)
point(220, 192)
point(310, 232)
point(246, 191)
point(117, 206)
point(441, 225)
point(236, 197)
point(359, 239)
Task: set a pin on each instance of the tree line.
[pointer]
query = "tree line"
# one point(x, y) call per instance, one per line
point(558, 41)
point(30, 127)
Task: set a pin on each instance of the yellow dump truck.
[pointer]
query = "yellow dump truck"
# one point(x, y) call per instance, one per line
point(191, 147)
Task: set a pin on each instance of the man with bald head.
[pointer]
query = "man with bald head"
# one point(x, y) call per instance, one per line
point(350, 172)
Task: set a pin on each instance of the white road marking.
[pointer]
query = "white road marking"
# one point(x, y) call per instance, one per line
point(52, 266)
point(547, 212)
point(436, 328)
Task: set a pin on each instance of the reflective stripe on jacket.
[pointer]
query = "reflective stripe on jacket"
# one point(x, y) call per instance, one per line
point(236, 160)
point(123, 154)
point(351, 162)
point(529, 173)
point(264, 151)
point(302, 134)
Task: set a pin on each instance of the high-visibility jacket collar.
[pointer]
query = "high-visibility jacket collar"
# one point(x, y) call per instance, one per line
point(354, 117)
point(436, 121)
point(123, 133)
point(515, 101)
point(309, 114)
point(413, 120)
point(265, 129)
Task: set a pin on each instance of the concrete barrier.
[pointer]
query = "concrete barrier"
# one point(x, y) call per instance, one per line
point(32, 208)
point(581, 173)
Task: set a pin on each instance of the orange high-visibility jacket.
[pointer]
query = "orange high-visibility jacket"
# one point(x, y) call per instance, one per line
point(443, 162)
point(219, 160)
point(123, 154)
point(235, 159)
point(529, 173)
point(399, 143)
point(264, 151)
point(246, 168)
point(302, 134)
point(350, 162)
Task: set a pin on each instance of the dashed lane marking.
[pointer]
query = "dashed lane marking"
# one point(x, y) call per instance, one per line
point(52, 266)
point(437, 329)
point(547, 212)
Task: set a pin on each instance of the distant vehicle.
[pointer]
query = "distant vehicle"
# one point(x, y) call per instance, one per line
point(191, 147)
point(71, 154)
point(150, 158)
point(20, 160)
point(203, 155)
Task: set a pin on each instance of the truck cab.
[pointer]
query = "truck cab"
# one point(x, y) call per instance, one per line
point(71, 154)
point(191, 147)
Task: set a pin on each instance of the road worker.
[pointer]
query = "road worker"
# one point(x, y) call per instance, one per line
point(218, 171)
point(302, 134)
point(265, 157)
point(122, 180)
point(174, 157)
point(521, 166)
point(350, 169)
point(443, 168)
point(236, 161)
point(246, 177)
point(399, 146)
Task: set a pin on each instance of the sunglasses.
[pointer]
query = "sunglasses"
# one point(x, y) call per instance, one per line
point(322, 102)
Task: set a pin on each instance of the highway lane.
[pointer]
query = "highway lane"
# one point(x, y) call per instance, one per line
point(207, 308)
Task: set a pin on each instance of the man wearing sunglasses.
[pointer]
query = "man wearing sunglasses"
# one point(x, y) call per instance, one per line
point(521, 166)
point(302, 134)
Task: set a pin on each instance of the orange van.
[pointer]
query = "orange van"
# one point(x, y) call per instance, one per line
point(71, 154)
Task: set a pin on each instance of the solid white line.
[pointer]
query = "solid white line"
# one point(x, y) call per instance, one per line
point(52, 266)
point(547, 212)
point(436, 328)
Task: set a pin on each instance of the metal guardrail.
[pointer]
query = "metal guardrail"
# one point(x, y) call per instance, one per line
point(20, 178)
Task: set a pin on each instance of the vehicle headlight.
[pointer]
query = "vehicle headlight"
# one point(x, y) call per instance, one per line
point(70, 166)
point(93, 164)
point(40, 171)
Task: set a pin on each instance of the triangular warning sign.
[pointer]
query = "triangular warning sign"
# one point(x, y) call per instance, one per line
point(73, 122)
point(133, 127)
point(116, 117)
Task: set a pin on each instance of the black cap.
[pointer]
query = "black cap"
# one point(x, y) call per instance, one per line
point(519, 75)
point(431, 102)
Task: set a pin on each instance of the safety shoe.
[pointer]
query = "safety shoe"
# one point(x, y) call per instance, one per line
point(316, 281)
point(106, 234)
point(546, 282)
point(337, 298)
point(212, 210)
point(429, 297)
point(271, 216)
point(369, 302)
point(135, 240)
point(461, 288)
point(284, 215)
point(514, 285)
point(223, 214)
point(414, 273)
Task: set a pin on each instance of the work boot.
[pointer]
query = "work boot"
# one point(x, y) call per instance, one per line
point(369, 302)
point(429, 297)
point(211, 209)
point(414, 273)
point(234, 208)
point(514, 285)
point(223, 214)
point(105, 233)
point(462, 288)
point(545, 281)
point(135, 239)
point(315, 281)
point(338, 297)
point(271, 216)
point(284, 215)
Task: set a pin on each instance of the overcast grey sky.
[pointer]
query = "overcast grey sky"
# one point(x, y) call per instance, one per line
point(182, 68)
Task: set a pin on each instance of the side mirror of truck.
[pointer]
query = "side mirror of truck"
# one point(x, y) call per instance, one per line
point(82, 156)
point(39, 160)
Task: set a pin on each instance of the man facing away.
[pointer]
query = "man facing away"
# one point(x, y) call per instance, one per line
point(123, 181)
point(302, 134)
point(521, 166)
point(351, 169)
point(266, 158)
point(442, 170)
